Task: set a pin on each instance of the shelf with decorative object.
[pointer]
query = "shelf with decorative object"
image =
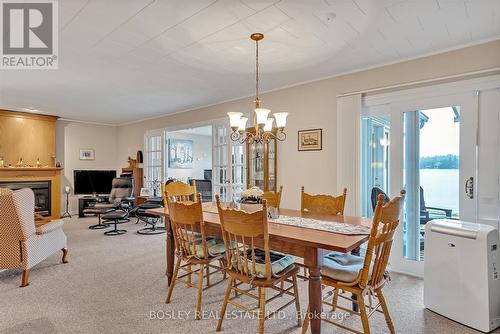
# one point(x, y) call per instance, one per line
point(262, 165)
point(135, 170)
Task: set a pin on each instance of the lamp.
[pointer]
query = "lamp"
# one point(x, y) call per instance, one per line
point(243, 124)
point(234, 119)
point(263, 130)
point(66, 213)
point(261, 115)
point(269, 125)
point(280, 119)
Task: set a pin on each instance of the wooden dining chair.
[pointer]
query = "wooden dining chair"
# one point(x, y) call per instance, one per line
point(179, 192)
point(193, 248)
point(363, 277)
point(322, 203)
point(247, 264)
point(273, 198)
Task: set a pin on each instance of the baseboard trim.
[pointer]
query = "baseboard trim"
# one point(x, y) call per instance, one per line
point(406, 273)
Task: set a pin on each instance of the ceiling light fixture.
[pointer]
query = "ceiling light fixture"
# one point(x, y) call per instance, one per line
point(329, 17)
point(263, 130)
point(32, 110)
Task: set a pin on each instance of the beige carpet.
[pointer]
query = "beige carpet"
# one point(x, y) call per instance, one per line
point(112, 284)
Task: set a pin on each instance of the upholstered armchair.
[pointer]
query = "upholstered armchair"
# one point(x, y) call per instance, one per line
point(22, 244)
point(120, 198)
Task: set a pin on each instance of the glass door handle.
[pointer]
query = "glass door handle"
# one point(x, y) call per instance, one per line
point(469, 187)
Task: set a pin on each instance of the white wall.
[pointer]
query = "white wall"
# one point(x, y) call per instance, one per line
point(70, 138)
point(202, 156)
point(314, 105)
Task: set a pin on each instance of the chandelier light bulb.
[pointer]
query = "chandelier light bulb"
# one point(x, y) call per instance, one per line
point(234, 119)
point(269, 125)
point(280, 119)
point(243, 124)
point(261, 114)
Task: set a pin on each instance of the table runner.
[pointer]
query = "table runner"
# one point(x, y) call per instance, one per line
point(315, 224)
point(323, 225)
point(209, 207)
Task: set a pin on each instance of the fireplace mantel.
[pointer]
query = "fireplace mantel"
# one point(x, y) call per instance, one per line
point(35, 169)
point(10, 172)
point(52, 174)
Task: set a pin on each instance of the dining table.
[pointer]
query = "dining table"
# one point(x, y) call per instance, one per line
point(307, 243)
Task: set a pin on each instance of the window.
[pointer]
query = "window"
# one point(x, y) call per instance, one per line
point(374, 159)
point(153, 163)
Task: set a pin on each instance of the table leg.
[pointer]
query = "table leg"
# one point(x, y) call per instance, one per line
point(313, 261)
point(170, 250)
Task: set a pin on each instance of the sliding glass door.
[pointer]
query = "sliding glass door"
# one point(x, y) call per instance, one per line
point(426, 146)
point(431, 173)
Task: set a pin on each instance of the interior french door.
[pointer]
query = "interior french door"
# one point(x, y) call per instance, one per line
point(228, 163)
point(153, 160)
point(426, 146)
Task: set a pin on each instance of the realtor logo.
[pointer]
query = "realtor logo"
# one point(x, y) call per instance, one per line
point(29, 34)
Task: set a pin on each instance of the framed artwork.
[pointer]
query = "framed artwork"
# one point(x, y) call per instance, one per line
point(87, 154)
point(146, 192)
point(180, 153)
point(310, 140)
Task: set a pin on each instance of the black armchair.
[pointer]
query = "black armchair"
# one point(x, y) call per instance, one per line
point(428, 213)
point(205, 188)
point(120, 198)
point(147, 218)
point(374, 196)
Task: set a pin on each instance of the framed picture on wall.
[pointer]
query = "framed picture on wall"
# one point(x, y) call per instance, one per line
point(310, 140)
point(146, 192)
point(180, 153)
point(87, 154)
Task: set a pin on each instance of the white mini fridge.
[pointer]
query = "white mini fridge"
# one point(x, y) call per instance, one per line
point(462, 272)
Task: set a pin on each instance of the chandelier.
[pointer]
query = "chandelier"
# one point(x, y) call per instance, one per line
point(263, 129)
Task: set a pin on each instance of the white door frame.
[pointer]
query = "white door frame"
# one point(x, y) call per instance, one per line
point(463, 93)
point(216, 164)
point(468, 128)
point(173, 128)
point(229, 145)
point(213, 122)
point(147, 135)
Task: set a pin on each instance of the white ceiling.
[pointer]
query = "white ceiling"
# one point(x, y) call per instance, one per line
point(125, 60)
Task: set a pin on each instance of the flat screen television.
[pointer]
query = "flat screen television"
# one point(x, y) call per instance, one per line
point(93, 181)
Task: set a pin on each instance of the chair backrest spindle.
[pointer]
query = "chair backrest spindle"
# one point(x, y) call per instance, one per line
point(385, 221)
point(239, 230)
point(323, 203)
point(273, 198)
point(179, 192)
point(187, 222)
